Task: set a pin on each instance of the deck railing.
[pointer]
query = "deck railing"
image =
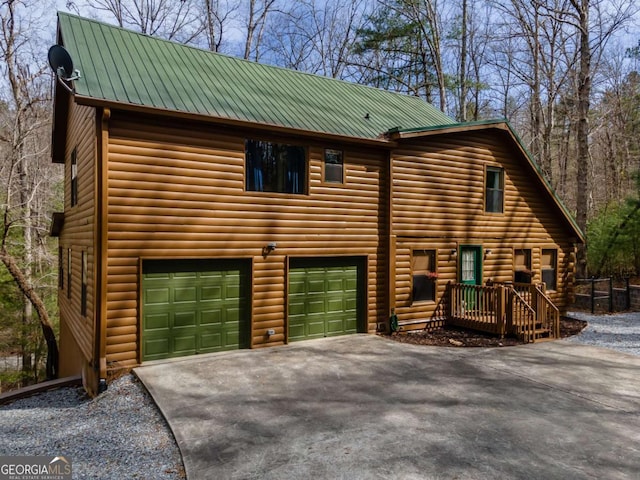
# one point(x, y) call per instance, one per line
point(478, 307)
point(506, 309)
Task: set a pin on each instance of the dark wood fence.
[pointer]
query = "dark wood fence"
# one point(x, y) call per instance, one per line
point(600, 295)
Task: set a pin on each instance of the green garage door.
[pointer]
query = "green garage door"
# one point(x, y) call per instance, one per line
point(193, 306)
point(323, 298)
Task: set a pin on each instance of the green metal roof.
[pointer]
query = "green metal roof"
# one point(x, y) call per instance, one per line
point(119, 65)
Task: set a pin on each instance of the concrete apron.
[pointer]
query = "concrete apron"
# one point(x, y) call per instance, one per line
point(360, 407)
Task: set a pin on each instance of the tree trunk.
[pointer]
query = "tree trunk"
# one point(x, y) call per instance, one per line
point(34, 299)
point(584, 93)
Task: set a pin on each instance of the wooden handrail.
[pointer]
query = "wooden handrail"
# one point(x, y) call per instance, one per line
point(521, 309)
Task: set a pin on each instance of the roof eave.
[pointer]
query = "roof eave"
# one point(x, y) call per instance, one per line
point(266, 127)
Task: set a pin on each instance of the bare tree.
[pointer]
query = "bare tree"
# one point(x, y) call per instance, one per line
point(315, 35)
point(25, 121)
point(170, 19)
point(216, 18)
point(255, 22)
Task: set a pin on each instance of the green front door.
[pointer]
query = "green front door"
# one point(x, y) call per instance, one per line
point(324, 298)
point(193, 306)
point(470, 271)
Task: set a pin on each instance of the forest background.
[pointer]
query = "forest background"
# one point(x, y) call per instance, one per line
point(565, 73)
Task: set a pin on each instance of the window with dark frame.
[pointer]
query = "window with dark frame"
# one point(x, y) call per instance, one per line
point(68, 273)
point(275, 167)
point(423, 269)
point(74, 177)
point(333, 166)
point(550, 267)
point(60, 268)
point(494, 194)
point(522, 266)
point(83, 291)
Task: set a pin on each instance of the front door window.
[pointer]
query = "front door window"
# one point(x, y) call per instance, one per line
point(470, 265)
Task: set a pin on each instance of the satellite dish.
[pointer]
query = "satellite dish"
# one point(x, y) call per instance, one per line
point(61, 63)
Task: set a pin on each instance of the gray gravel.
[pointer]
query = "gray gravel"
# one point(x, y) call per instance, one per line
point(118, 435)
point(620, 331)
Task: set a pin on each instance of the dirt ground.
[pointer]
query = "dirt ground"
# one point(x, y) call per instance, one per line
point(458, 337)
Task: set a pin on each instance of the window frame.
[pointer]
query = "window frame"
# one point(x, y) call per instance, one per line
point(325, 164)
point(69, 265)
point(255, 168)
point(554, 269)
point(427, 276)
point(83, 283)
point(60, 268)
point(74, 176)
point(491, 190)
point(527, 270)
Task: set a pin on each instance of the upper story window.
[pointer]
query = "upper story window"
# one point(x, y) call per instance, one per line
point(494, 194)
point(275, 167)
point(74, 177)
point(549, 267)
point(522, 265)
point(333, 166)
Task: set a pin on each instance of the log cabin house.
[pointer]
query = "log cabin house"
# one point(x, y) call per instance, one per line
point(212, 203)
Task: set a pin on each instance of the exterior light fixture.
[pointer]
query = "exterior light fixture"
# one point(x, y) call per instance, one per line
point(268, 248)
point(454, 252)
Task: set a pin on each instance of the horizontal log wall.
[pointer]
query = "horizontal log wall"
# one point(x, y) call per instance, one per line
point(78, 231)
point(179, 191)
point(438, 204)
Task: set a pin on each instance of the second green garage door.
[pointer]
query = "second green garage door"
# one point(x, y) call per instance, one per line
point(193, 306)
point(324, 298)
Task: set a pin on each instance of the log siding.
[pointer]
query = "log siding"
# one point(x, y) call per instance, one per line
point(179, 192)
point(78, 231)
point(439, 204)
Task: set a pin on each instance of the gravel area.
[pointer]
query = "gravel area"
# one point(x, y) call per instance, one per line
point(620, 331)
point(118, 435)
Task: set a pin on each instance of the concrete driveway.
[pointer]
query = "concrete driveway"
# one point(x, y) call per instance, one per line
point(365, 407)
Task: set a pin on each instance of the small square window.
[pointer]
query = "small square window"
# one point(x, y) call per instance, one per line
point(333, 166)
point(423, 269)
point(494, 194)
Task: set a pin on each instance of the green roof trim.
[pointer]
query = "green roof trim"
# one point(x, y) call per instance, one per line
point(125, 67)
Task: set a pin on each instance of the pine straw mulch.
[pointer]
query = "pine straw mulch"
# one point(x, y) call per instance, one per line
point(449, 336)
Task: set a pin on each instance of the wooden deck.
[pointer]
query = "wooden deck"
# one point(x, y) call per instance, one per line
point(520, 310)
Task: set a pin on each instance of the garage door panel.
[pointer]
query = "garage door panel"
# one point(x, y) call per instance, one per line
point(185, 319)
point(183, 344)
point(210, 342)
point(157, 321)
point(157, 348)
point(199, 311)
point(211, 317)
point(157, 296)
point(211, 293)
